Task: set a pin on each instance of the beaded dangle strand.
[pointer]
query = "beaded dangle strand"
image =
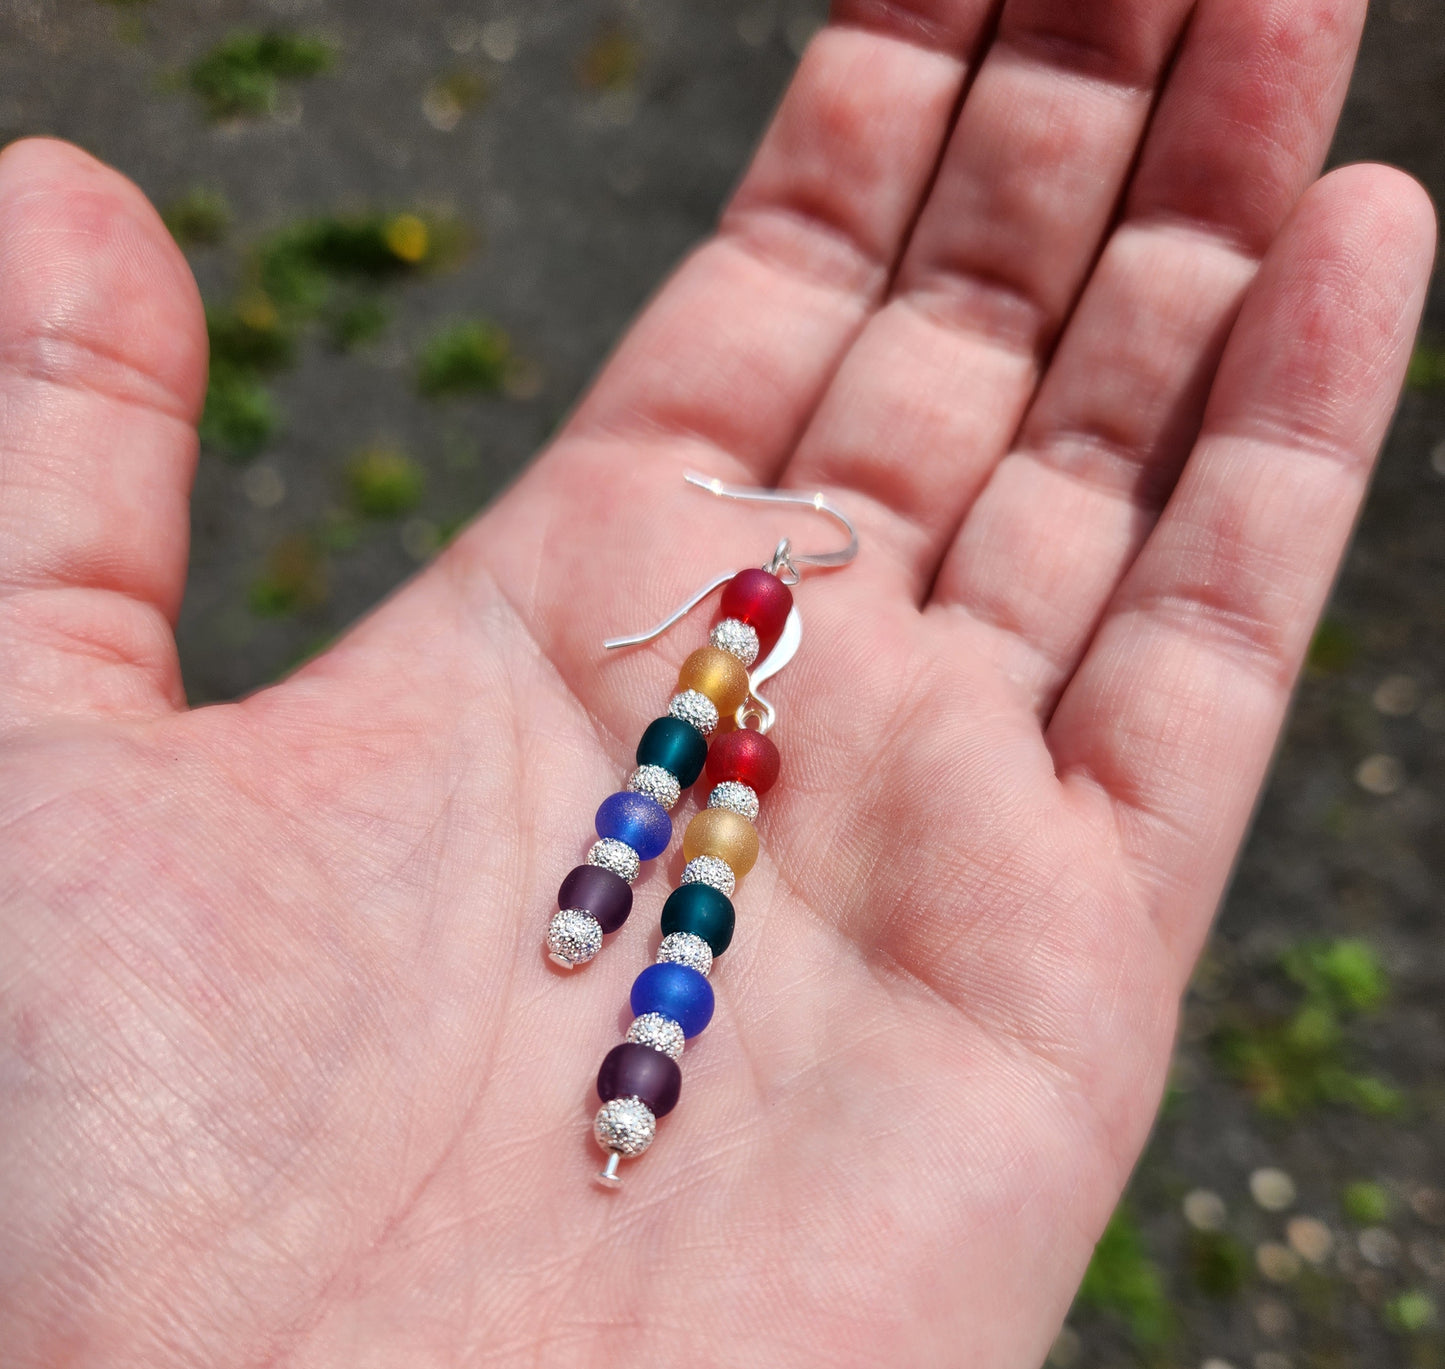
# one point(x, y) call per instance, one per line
point(672, 1000)
point(634, 825)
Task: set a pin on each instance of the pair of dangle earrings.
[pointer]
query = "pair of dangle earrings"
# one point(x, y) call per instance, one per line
point(758, 633)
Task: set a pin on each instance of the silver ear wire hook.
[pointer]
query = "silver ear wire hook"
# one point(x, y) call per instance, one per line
point(784, 564)
point(676, 616)
point(785, 556)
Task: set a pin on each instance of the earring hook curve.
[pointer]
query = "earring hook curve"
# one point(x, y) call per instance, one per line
point(785, 561)
point(816, 501)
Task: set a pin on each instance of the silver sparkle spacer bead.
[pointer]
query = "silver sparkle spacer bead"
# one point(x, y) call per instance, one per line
point(683, 948)
point(711, 870)
point(736, 798)
point(697, 709)
point(658, 784)
point(616, 856)
point(573, 938)
point(659, 1032)
point(624, 1126)
point(737, 638)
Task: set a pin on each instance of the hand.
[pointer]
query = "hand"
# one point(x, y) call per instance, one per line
point(286, 1077)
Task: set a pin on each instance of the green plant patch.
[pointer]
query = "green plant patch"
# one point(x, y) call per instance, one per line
point(1367, 1203)
point(1333, 648)
point(199, 218)
point(294, 579)
point(1427, 367)
point(352, 323)
point(324, 270)
point(1412, 1312)
point(241, 76)
point(240, 416)
point(1219, 1265)
point(468, 358)
point(301, 267)
point(1125, 1283)
point(250, 335)
point(1304, 1059)
point(1346, 974)
point(385, 482)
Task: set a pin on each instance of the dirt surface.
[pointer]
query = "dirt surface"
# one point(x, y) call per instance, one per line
point(577, 150)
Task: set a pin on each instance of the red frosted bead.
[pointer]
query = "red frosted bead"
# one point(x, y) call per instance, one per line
point(762, 601)
point(745, 756)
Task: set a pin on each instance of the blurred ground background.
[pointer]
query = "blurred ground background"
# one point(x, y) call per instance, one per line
point(419, 227)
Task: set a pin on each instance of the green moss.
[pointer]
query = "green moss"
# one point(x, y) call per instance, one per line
point(199, 218)
point(1303, 1060)
point(302, 267)
point(1377, 1097)
point(240, 416)
point(468, 358)
point(248, 341)
point(241, 76)
point(1367, 1203)
point(1218, 1264)
point(1411, 1312)
point(294, 579)
point(250, 336)
point(1123, 1281)
point(1347, 974)
point(385, 482)
point(1332, 649)
point(1427, 367)
point(354, 322)
point(324, 269)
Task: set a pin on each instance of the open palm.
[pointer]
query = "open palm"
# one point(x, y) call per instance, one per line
point(1047, 302)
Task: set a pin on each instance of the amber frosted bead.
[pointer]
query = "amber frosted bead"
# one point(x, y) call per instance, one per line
point(717, 674)
point(722, 833)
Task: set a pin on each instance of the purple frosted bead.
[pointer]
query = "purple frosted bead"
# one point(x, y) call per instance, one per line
point(631, 1070)
point(600, 892)
point(639, 821)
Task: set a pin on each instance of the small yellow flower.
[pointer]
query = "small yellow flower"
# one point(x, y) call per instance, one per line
point(408, 238)
point(257, 311)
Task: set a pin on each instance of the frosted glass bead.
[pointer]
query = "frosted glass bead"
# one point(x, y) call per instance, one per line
point(722, 833)
point(718, 674)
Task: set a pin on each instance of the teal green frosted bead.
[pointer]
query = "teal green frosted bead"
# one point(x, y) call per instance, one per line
point(703, 911)
point(676, 746)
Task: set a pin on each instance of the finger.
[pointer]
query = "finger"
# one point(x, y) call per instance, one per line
point(723, 369)
point(1174, 712)
point(734, 352)
point(1241, 132)
point(102, 369)
point(928, 399)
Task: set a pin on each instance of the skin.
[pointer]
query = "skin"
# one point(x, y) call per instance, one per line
point(1052, 303)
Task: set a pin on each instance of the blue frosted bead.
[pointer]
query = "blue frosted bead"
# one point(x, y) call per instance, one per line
point(675, 991)
point(639, 821)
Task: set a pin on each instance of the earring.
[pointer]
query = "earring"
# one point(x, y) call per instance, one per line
point(634, 825)
point(672, 999)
